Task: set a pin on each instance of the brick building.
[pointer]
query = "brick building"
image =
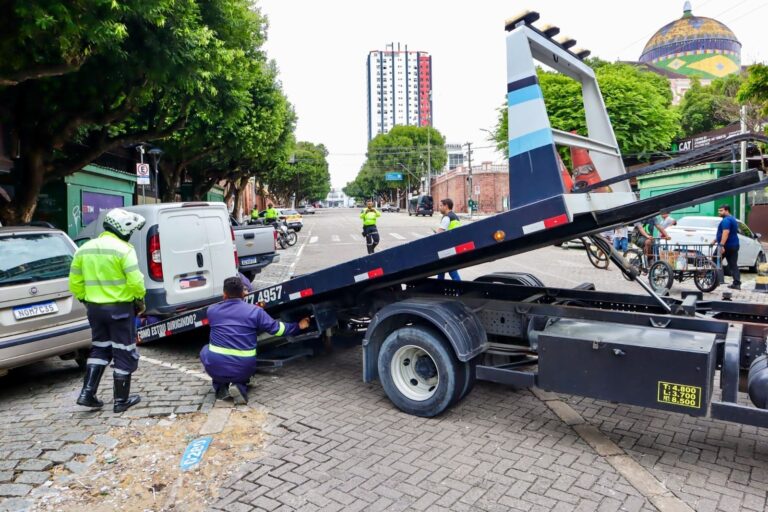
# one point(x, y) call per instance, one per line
point(490, 183)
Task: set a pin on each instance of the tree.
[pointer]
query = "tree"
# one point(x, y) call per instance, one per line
point(754, 89)
point(405, 150)
point(43, 38)
point(169, 63)
point(638, 104)
point(709, 107)
point(306, 175)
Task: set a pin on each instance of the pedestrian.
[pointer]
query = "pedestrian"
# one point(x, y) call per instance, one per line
point(230, 355)
point(448, 222)
point(644, 232)
point(727, 238)
point(661, 223)
point(621, 239)
point(105, 276)
point(370, 231)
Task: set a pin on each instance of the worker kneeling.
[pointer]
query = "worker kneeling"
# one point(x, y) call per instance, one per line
point(230, 356)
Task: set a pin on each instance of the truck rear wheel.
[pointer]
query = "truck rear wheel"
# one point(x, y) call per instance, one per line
point(420, 373)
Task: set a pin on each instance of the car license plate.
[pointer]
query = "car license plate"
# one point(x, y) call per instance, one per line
point(249, 261)
point(32, 310)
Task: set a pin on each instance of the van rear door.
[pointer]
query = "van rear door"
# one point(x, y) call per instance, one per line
point(192, 242)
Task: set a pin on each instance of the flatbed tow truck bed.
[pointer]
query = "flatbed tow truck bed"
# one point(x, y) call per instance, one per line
point(427, 341)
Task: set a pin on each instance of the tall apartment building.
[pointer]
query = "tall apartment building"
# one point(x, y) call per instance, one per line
point(399, 89)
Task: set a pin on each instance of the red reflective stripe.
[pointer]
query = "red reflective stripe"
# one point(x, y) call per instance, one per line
point(469, 246)
point(306, 293)
point(377, 272)
point(205, 321)
point(555, 221)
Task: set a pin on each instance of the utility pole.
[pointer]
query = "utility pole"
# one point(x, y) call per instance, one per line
point(469, 176)
point(743, 196)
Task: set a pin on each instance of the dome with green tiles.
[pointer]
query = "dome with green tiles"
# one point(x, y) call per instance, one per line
point(694, 46)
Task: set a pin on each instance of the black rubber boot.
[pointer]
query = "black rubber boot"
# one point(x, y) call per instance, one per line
point(123, 398)
point(87, 398)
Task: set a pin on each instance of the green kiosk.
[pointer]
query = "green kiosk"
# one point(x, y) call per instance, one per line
point(75, 201)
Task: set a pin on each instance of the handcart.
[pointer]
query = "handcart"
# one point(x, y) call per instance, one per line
point(673, 261)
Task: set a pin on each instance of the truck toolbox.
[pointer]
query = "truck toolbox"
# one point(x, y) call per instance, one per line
point(651, 367)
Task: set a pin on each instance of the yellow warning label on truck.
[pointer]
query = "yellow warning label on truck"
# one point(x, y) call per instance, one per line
point(679, 394)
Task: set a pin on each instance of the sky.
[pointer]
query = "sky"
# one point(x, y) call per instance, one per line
point(321, 47)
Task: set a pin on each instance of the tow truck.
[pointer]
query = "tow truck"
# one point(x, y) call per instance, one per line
point(427, 341)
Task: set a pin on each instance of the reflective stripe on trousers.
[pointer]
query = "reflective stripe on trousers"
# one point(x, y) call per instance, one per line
point(232, 351)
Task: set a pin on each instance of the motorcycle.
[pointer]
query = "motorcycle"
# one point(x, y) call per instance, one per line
point(286, 237)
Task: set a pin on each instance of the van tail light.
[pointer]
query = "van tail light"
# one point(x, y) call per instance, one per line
point(274, 235)
point(234, 248)
point(154, 256)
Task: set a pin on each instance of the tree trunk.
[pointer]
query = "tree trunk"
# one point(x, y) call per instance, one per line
point(31, 168)
point(202, 187)
point(172, 175)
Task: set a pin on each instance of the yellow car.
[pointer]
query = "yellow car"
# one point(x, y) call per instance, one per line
point(292, 218)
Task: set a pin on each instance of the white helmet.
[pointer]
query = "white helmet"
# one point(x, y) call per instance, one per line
point(123, 222)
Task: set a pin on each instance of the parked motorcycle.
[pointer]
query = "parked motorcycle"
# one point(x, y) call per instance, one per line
point(286, 237)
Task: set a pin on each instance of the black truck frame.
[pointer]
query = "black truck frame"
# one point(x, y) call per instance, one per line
point(427, 341)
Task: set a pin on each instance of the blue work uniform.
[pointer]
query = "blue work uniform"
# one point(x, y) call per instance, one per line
point(230, 356)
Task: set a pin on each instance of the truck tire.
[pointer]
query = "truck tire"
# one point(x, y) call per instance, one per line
point(517, 278)
point(420, 373)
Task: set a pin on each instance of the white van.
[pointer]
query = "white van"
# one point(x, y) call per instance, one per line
point(185, 251)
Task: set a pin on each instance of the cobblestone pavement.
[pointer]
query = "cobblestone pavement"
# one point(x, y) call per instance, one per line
point(336, 443)
point(41, 427)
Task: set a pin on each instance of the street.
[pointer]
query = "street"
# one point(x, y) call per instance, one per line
point(325, 440)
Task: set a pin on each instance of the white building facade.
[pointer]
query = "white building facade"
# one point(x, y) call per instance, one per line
point(399, 89)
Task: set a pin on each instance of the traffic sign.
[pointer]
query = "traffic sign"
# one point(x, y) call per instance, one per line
point(393, 176)
point(142, 174)
point(477, 190)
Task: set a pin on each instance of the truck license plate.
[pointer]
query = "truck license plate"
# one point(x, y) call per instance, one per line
point(249, 261)
point(32, 310)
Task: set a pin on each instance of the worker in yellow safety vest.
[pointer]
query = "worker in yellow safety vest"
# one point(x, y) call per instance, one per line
point(370, 231)
point(105, 276)
point(449, 221)
point(271, 214)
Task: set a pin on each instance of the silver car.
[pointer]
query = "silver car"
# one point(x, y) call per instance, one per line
point(39, 317)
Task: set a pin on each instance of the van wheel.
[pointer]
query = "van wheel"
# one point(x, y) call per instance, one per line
point(419, 372)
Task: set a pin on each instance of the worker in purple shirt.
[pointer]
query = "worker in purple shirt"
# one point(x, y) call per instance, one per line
point(230, 356)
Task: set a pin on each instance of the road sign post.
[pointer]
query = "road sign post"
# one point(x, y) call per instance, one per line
point(142, 174)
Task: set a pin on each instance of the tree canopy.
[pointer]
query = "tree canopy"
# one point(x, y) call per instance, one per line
point(405, 150)
point(754, 89)
point(305, 174)
point(638, 104)
point(81, 78)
